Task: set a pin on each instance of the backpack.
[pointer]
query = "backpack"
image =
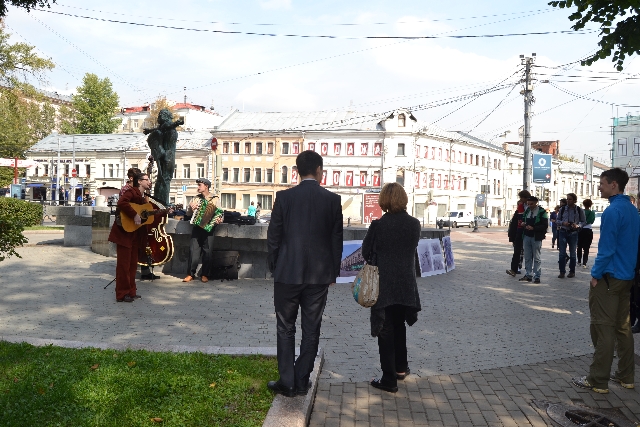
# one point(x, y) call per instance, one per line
point(578, 208)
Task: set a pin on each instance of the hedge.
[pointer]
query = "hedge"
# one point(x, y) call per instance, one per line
point(26, 214)
point(10, 236)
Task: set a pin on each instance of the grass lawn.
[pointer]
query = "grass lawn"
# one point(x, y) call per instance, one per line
point(54, 386)
point(43, 227)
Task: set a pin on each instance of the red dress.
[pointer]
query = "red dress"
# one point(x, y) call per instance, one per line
point(128, 244)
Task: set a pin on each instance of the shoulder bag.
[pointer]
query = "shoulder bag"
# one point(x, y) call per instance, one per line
point(366, 287)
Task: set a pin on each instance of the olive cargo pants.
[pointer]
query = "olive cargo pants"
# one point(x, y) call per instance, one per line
point(609, 308)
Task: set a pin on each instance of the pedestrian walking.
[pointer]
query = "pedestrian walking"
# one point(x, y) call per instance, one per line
point(393, 239)
point(570, 220)
point(515, 231)
point(585, 235)
point(554, 228)
point(612, 276)
point(304, 239)
point(536, 223)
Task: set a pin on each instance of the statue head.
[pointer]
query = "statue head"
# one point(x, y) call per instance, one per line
point(164, 116)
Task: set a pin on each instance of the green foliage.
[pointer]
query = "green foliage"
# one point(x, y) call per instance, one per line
point(567, 158)
point(93, 108)
point(10, 236)
point(26, 4)
point(47, 386)
point(619, 36)
point(25, 213)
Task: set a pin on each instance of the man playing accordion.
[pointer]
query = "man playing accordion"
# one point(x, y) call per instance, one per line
point(205, 215)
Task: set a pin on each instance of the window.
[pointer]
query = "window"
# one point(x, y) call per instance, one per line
point(225, 148)
point(465, 184)
point(312, 146)
point(236, 174)
point(446, 155)
point(66, 170)
point(400, 177)
point(363, 178)
point(350, 149)
point(133, 165)
point(402, 120)
point(636, 146)
point(228, 200)
point(270, 148)
point(466, 160)
point(495, 163)
point(439, 153)
point(439, 183)
point(269, 177)
point(87, 167)
point(46, 170)
point(483, 164)
point(500, 164)
point(258, 147)
point(247, 148)
point(459, 156)
point(294, 175)
point(622, 147)
point(236, 148)
point(509, 193)
point(186, 171)
point(246, 201)
point(477, 160)
point(225, 174)
point(498, 187)
point(266, 201)
point(200, 168)
point(426, 152)
point(247, 175)
point(295, 148)
point(175, 171)
point(337, 148)
point(417, 151)
point(432, 181)
point(400, 149)
point(364, 149)
point(285, 175)
point(110, 170)
point(258, 175)
point(285, 148)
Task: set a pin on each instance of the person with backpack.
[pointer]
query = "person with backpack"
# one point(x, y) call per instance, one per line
point(585, 235)
point(535, 222)
point(570, 220)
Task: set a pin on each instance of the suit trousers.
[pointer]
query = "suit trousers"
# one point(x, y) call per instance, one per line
point(516, 259)
point(392, 344)
point(200, 247)
point(311, 299)
point(126, 267)
point(609, 309)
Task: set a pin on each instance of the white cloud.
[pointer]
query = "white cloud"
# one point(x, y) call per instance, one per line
point(278, 97)
point(275, 4)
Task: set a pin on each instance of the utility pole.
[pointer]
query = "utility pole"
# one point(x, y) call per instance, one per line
point(528, 100)
point(486, 200)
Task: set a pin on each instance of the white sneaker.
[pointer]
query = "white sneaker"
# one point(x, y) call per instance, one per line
point(584, 265)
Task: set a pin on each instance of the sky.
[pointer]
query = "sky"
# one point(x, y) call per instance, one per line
point(222, 65)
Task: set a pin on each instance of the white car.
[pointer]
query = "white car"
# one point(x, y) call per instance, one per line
point(456, 219)
point(596, 223)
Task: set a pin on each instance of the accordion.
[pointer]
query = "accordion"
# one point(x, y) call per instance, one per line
point(206, 214)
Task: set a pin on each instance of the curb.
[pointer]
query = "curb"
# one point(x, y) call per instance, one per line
point(284, 411)
point(295, 411)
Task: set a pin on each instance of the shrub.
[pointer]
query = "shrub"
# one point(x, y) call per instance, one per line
point(26, 214)
point(10, 235)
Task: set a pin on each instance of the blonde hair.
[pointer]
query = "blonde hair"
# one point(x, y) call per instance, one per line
point(393, 198)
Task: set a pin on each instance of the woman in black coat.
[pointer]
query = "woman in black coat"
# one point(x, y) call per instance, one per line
point(394, 239)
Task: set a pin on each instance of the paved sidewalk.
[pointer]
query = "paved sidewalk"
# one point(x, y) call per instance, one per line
point(477, 322)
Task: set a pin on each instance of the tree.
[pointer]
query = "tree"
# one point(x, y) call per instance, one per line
point(26, 4)
point(160, 104)
point(25, 115)
point(92, 109)
point(567, 158)
point(10, 236)
point(623, 41)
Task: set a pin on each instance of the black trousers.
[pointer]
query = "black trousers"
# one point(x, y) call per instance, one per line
point(585, 237)
point(392, 344)
point(311, 299)
point(516, 259)
point(200, 247)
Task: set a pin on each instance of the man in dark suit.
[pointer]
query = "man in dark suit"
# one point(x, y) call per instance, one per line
point(305, 249)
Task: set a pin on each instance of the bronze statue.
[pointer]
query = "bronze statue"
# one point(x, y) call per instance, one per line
point(162, 141)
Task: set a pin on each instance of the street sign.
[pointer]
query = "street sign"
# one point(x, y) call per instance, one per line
point(73, 182)
point(542, 168)
point(74, 173)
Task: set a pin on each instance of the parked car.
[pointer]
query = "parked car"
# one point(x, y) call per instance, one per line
point(596, 223)
point(456, 219)
point(483, 221)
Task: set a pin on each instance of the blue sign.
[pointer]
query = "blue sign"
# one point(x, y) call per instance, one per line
point(480, 200)
point(542, 168)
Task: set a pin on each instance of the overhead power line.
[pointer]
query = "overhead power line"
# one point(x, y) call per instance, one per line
point(253, 33)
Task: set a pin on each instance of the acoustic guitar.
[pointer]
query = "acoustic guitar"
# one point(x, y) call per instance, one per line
point(146, 212)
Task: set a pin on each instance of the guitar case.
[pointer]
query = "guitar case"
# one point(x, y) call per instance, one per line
point(224, 265)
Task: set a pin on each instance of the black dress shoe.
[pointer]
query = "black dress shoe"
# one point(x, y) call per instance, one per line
point(149, 276)
point(302, 391)
point(403, 376)
point(126, 298)
point(377, 384)
point(277, 387)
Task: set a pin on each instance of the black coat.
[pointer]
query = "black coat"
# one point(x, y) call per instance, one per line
point(396, 240)
point(305, 235)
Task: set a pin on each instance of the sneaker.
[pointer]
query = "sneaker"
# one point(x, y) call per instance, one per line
point(624, 385)
point(511, 273)
point(536, 280)
point(571, 274)
point(584, 265)
point(525, 279)
point(583, 383)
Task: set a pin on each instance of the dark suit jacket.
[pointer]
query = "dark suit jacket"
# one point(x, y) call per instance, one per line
point(305, 235)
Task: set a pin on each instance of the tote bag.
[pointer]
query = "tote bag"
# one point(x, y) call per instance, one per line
point(366, 287)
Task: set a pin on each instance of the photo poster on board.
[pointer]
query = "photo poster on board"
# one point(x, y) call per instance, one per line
point(431, 258)
point(448, 253)
point(352, 261)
